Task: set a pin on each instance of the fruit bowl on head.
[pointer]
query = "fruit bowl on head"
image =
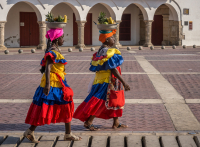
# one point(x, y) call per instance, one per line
point(107, 27)
point(55, 25)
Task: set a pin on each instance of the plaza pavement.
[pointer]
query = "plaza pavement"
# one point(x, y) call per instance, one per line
point(163, 104)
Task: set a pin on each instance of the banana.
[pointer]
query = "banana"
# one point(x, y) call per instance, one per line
point(65, 18)
point(108, 20)
point(111, 21)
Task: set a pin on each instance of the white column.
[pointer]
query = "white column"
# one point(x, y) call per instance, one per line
point(148, 27)
point(81, 26)
point(117, 44)
point(42, 27)
point(2, 32)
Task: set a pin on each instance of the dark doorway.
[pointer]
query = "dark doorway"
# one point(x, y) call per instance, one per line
point(29, 29)
point(87, 30)
point(157, 30)
point(125, 28)
point(75, 31)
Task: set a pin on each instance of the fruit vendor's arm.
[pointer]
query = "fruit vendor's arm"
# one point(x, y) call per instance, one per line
point(47, 74)
point(117, 75)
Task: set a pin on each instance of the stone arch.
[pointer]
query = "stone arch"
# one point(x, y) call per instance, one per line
point(175, 13)
point(129, 28)
point(37, 11)
point(93, 12)
point(76, 12)
point(110, 10)
point(70, 31)
point(166, 27)
point(144, 12)
point(13, 35)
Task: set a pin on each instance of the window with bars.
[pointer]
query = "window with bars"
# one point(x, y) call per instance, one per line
point(125, 28)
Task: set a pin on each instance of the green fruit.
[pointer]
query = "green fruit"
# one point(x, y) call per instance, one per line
point(49, 17)
point(102, 18)
point(105, 23)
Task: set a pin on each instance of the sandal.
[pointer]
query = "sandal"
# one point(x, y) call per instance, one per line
point(30, 136)
point(70, 137)
point(91, 127)
point(120, 126)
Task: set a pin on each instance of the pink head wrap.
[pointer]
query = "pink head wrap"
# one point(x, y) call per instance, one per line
point(54, 34)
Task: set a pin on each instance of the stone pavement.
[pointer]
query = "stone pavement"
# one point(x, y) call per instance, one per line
point(164, 96)
point(104, 140)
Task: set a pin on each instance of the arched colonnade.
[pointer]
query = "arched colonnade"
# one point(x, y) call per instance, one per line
point(81, 16)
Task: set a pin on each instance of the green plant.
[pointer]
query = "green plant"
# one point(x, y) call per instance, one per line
point(49, 17)
point(60, 18)
point(102, 18)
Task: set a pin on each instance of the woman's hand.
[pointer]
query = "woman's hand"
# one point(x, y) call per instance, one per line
point(46, 89)
point(117, 75)
point(126, 86)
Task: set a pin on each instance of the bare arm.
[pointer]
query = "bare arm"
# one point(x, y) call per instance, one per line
point(47, 74)
point(118, 76)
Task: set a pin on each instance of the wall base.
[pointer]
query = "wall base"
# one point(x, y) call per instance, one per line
point(141, 42)
point(80, 46)
point(42, 46)
point(148, 45)
point(3, 47)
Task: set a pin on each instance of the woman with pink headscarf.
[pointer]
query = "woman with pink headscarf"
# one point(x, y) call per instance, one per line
point(52, 102)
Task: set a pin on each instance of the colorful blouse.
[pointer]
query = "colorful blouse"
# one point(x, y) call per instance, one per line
point(58, 67)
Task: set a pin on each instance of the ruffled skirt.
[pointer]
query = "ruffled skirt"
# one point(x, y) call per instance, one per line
point(49, 109)
point(95, 104)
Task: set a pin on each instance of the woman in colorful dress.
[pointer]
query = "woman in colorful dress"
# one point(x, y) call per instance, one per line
point(52, 102)
point(106, 99)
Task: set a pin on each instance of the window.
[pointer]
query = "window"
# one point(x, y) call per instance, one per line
point(125, 28)
point(186, 23)
point(186, 11)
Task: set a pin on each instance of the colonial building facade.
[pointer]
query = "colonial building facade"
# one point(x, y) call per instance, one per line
point(140, 22)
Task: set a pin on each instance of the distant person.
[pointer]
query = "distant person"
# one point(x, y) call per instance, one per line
point(52, 102)
point(106, 99)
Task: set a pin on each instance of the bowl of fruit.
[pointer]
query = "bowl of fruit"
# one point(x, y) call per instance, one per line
point(55, 22)
point(106, 24)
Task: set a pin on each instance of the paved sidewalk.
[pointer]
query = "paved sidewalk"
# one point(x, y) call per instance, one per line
point(172, 139)
point(164, 96)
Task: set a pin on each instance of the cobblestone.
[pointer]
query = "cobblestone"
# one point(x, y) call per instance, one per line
point(141, 87)
point(176, 66)
point(18, 66)
point(175, 57)
point(22, 88)
point(167, 51)
point(22, 57)
point(139, 117)
point(79, 84)
point(195, 108)
point(7, 79)
point(187, 85)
